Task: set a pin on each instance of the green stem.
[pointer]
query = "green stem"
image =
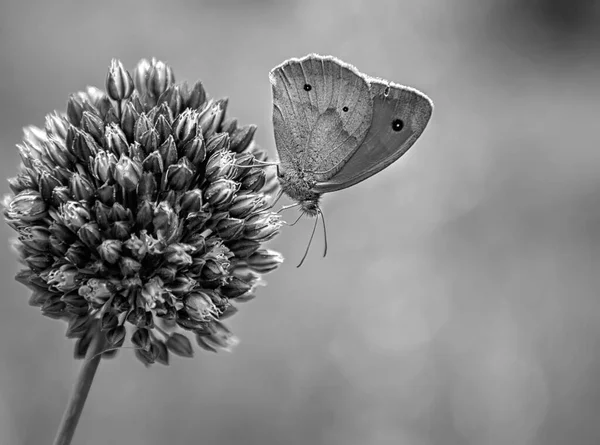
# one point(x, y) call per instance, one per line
point(80, 392)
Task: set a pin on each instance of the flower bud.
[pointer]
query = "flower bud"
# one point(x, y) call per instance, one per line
point(144, 214)
point(102, 213)
point(229, 125)
point(245, 203)
point(35, 237)
point(165, 220)
point(195, 150)
point(140, 75)
point(116, 140)
point(142, 125)
point(129, 266)
point(172, 98)
point(177, 254)
point(197, 96)
point(27, 206)
point(120, 213)
point(119, 84)
point(163, 128)
point(262, 226)
point(191, 201)
point(243, 248)
point(160, 77)
point(235, 287)
point(90, 234)
point(60, 195)
point(182, 285)
point(147, 186)
point(81, 188)
point(168, 152)
point(264, 260)
point(221, 192)
point(199, 306)
point(149, 140)
point(116, 336)
point(108, 321)
point(255, 179)
point(93, 125)
point(103, 166)
point(141, 339)
point(57, 125)
point(75, 109)
point(230, 228)
point(75, 215)
point(121, 229)
point(77, 254)
point(20, 183)
point(220, 165)
point(39, 262)
point(97, 291)
point(61, 232)
point(137, 247)
point(84, 146)
point(129, 117)
point(58, 152)
point(128, 173)
point(47, 185)
point(110, 250)
point(63, 279)
point(213, 270)
point(218, 338)
point(185, 126)
point(167, 273)
point(106, 111)
point(219, 141)
point(180, 345)
point(180, 175)
point(241, 138)
point(212, 116)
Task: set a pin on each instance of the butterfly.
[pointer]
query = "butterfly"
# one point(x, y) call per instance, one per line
point(335, 127)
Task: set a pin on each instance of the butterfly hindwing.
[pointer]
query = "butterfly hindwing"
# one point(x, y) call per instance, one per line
point(400, 114)
point(322, 111)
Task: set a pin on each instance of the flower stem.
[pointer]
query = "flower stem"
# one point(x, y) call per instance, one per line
point(80, 392)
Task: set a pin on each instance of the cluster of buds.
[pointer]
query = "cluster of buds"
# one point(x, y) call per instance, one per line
point(143, 210)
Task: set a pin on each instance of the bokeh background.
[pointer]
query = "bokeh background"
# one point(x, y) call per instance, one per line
point(459, 301)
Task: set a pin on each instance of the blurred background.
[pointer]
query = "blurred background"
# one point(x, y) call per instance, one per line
point(458, 303)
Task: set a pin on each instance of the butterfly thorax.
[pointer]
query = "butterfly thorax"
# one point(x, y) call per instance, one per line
point(298, 185)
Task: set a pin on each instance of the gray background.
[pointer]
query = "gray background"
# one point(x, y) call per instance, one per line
point(459, 300)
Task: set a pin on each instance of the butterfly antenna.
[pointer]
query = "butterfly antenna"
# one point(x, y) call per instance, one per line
point(324, 232)
point(309, 241)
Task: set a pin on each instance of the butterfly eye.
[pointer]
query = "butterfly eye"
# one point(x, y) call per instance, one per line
point(307, 87)
point(397, 125)
point(345, 109)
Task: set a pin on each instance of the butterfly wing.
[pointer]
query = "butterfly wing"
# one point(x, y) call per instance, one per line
point(322, 109)
point(400, 114)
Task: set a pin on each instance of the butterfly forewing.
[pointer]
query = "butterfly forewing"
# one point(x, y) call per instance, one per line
point(322, 111)
point(400, 115)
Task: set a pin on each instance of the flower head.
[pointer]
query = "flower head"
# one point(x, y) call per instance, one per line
point(142, 210)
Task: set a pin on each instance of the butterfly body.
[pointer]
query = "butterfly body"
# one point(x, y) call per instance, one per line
point(299, 186)
point(335, 127)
